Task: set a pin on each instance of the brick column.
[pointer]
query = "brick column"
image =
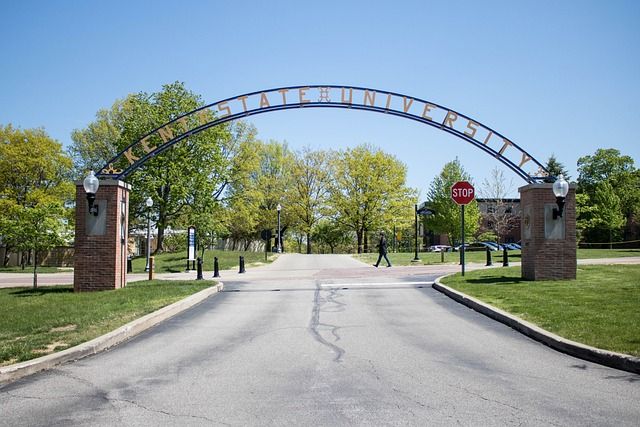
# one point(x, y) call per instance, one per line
point(548, 245)
point(100, 261)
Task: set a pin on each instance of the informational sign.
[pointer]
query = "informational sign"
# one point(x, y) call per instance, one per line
point(462, 192)
point(191, 244)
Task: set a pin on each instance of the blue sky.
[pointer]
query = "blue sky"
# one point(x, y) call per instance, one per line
point(556, 77)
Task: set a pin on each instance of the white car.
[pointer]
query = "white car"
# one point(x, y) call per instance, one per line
point(439, 248)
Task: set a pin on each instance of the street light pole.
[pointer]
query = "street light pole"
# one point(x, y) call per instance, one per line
point(149, 203)
point(279, 208)
point(416, 259)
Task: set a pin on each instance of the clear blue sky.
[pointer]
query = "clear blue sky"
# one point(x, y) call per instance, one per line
point(556, 77)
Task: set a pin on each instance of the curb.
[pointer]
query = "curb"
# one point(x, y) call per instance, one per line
point(16, 371)
point(620, 361)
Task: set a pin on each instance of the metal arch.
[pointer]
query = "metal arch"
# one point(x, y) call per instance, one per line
point(312, 104)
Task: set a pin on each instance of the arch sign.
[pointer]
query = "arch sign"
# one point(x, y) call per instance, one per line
point(327, 96)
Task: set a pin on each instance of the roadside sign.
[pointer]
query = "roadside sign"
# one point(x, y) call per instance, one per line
point(462, 192)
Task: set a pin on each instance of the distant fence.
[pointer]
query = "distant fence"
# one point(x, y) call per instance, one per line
point(630, 244)
point(61, 256)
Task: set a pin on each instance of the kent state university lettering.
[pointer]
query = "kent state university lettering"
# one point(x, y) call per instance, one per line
point(329, 96)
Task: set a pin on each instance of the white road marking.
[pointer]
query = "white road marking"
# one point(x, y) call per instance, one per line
point(356, 285)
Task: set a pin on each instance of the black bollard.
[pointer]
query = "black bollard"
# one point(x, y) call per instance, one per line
point(129, 265)
point(241, 265)
point(505, 257)
point(216, 267)
point(199, 277)
point(489, 261)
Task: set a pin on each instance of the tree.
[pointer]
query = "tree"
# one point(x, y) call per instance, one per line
point(35, 186)
point(556, 168)
point(329, 233)
point(609, 165)
point(368, 187)
point(607, 211)
point(499, 217)
point(446, 218)
point(193, 173)
point(309, 189)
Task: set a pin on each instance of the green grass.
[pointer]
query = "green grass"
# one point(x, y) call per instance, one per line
point(607, 253)
point(37, 322)
point(601, 308)
point(480, 257)
point(431, 258)
point(177, 262)
point(29, 269)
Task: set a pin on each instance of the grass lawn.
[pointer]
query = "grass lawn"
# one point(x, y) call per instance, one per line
point(41, 321)
point(601, 308)
point(430, 258)
point(29, 269)
point(177, 262)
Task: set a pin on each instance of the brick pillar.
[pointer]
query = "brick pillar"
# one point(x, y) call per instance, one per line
point(100, 261)
point(548, 245)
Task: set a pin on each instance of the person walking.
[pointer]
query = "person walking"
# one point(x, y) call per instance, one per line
point(382, 251)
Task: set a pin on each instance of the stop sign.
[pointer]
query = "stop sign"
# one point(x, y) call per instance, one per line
point(462, 192)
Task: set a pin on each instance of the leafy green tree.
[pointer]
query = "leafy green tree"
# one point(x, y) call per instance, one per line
point(35, 186)
point(193, 174)
point(328, 233)
point(447, 216)
point(310, 179)
point(608, 165)
point(368, 187)
point(607, 212)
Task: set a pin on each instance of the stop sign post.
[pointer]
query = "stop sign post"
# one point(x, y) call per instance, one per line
point(463, 193)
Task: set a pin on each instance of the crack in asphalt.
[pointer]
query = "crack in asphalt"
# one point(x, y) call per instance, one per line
point(319, 305)
point(158, 411)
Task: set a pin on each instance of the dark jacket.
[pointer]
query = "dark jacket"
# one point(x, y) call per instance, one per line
point(382, 246)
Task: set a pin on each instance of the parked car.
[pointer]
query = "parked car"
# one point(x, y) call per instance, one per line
point(513, 246)
point(439, 248)
point(493, 246)
point(475, 246)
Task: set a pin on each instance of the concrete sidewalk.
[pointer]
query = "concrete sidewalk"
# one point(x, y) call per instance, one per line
point(12, 280)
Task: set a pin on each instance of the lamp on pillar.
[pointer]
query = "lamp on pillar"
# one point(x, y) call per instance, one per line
point(279, 208)
point(149, 203)
point(560, 189)
point(91, 184)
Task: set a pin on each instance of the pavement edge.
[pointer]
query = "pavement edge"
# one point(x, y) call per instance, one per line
point(16, 371)
point(620, 361)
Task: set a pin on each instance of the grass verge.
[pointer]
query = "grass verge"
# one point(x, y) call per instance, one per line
point(36, 322)
point(434, 258)
point(176, 262)
point(599, 309)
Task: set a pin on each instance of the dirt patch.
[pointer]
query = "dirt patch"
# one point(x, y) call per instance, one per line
point(65, 328)
point(51, 347)
point(9, 362)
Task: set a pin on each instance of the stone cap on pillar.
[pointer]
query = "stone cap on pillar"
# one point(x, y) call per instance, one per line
point(109, 183)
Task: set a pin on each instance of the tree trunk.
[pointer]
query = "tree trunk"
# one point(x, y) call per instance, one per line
point(7, 256)
point(366, 241)
point(35, 270)
point(160, 239)
point(359, 235)
point(308, 243)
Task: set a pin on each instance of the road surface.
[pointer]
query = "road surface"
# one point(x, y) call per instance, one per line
point(326, 341)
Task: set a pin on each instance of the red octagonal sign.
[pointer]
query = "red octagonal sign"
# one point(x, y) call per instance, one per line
point(462, 192)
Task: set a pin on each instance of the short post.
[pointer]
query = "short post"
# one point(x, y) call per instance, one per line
point(216, 267)
point(505, 257)
point(489, 261)
point(199, 276)
point(152, 267)
point(242, 270)
point(442, 256)
point(129, 265)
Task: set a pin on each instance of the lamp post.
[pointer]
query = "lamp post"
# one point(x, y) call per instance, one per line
point(560, 190)
point(149, 203)
point(91, 184)
point(279, 208)
point(416, 259)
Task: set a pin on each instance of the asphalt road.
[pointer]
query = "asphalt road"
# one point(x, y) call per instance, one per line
point(324, 340)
